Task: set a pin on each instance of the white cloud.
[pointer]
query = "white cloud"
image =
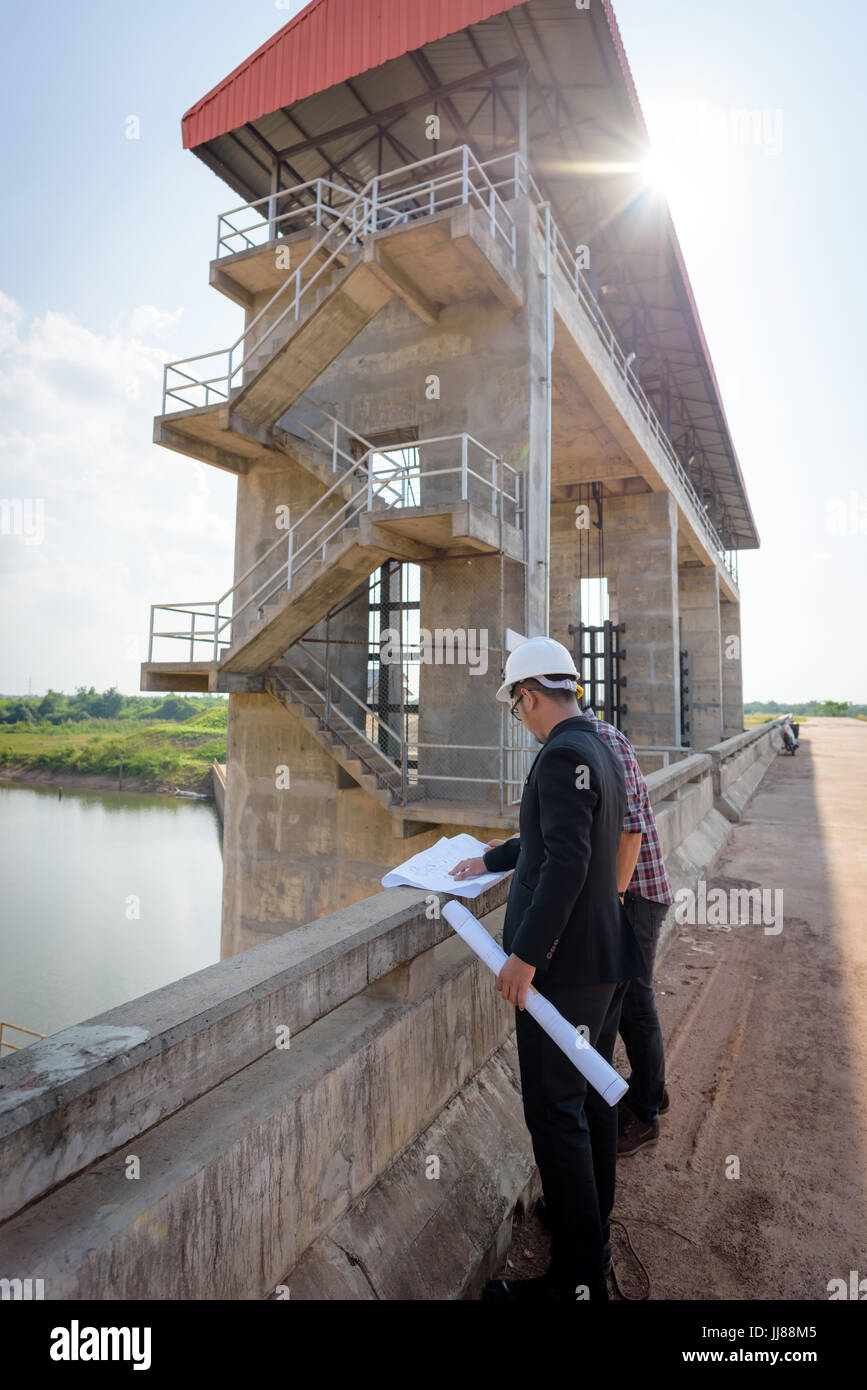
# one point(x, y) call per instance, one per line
point(149, 322)
point(126, 522)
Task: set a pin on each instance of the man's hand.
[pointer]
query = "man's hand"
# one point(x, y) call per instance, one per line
point(492, 844)
point(469, 868)
point(514, 980)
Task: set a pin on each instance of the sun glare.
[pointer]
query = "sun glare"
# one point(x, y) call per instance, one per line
point(654, 173)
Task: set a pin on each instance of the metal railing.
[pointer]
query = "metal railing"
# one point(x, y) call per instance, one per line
point(514, 179)
point(374, 482)
point(388, 201)
point(15, 1047)
point(392, 770)
point(385, 202)
point(326, 709)
point(325, 202)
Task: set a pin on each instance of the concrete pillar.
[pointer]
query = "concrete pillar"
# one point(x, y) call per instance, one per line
point(565, 590)
point(700, 636)
point(732, 670)
point(270, 490)
point(457, 699)
point(640, 535)
point(533, 399)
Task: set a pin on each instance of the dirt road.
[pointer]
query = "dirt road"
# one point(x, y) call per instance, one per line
point(766, 1059)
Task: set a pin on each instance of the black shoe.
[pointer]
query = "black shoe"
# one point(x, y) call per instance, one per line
point(539, 1289)
point(541, 1210)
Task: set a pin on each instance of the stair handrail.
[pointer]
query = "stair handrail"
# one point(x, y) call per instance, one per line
point(365, 488)
point(370, 204)
point(328, 445)
point(398, 737)
point(319, 206)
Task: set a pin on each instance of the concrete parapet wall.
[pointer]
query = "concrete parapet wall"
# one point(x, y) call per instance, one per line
point(238, 1184)
point(739, 764)
point(85, 1091)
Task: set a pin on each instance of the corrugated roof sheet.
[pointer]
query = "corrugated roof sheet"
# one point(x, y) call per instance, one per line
point(326, 43)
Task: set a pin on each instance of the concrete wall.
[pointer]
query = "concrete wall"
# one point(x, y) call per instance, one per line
point(218, 781)
point(285, 1107)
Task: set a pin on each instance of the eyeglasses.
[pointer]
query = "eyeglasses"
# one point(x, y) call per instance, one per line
point(513, 709)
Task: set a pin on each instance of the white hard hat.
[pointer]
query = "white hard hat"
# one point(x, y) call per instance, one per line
point(539, 657)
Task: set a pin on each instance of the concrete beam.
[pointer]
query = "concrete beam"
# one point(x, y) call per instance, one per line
point(194, 676)
point(400, 284)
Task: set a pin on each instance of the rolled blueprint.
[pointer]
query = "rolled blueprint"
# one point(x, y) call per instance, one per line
point(602, 1077)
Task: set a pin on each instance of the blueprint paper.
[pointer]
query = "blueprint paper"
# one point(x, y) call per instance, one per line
point(430, 868)
point(602, 1077)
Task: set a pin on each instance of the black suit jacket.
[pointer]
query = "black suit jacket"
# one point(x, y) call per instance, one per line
point(564, 915)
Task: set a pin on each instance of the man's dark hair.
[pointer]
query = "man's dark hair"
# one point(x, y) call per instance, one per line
point(560, 695)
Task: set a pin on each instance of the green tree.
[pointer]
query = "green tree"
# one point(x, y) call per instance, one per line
point(173, 707)
point(108, 705)
point(52, 703)
point(20, 713)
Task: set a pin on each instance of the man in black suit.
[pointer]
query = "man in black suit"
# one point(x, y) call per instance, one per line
point(566, 929)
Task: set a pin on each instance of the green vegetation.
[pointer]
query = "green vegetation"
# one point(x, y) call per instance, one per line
point(834, 709)
point(163, 741)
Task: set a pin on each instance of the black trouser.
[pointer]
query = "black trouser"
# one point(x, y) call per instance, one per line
point(574, 1131)
point(639, 1021)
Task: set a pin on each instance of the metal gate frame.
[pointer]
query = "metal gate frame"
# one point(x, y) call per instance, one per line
point(595, 645)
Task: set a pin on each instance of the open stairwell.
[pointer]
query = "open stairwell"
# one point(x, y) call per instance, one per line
point(285, 615)
point(443, 497)
point(341, 731)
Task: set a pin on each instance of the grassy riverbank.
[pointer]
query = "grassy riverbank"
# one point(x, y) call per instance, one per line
point(157, 755)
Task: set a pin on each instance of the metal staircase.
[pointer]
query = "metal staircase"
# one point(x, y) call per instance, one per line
point(338, 291)
point(344, 726)
point(444, 495)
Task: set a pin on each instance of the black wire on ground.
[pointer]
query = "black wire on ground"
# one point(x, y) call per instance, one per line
point(628, 1297)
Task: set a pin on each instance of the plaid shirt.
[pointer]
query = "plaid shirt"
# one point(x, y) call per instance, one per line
point(650, 879)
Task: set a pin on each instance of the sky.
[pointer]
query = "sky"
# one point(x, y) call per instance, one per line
point(104, 249)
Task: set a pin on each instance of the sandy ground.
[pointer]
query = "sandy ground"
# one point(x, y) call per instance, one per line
point(766, 1060)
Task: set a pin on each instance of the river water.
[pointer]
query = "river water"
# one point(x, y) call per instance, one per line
point(105, 896)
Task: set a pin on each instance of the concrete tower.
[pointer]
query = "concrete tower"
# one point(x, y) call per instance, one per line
point(471, 384)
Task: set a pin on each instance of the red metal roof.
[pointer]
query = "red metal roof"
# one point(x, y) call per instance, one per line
point(329, 41)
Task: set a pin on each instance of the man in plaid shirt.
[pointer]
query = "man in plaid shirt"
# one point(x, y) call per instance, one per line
point(646, 899)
